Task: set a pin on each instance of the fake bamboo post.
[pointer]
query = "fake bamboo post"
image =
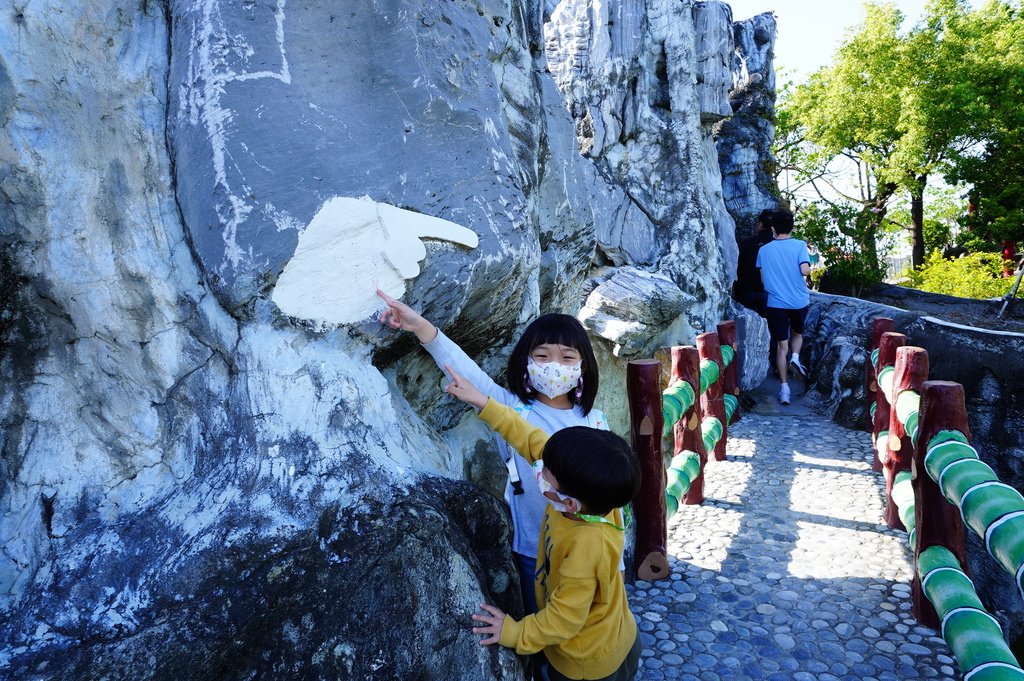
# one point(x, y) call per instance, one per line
point(711, 402)
point(686, 367)
point(643, 388)
point(886, 358)
point(937, 521)
point(887, 347)
point(911, 372)
point(730, 383)
point(879, 326)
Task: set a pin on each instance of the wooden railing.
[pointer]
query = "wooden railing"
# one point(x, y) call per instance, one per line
point(935, 486)
point(697, 408)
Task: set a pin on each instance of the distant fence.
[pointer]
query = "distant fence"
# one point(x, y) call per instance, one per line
point(935, 486)
point(698, 406)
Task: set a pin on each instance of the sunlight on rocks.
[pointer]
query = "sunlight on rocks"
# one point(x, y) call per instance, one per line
point(829, 552)
point(862, 504)
point(703, 535)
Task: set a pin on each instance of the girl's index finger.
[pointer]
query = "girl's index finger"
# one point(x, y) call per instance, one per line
point(387, 299)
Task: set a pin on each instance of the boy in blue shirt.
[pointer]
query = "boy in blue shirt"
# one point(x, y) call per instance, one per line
point(785, 263)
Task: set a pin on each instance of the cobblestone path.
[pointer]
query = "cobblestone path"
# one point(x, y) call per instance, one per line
point(786, 571)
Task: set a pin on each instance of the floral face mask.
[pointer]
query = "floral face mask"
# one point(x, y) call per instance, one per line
point(553, 378)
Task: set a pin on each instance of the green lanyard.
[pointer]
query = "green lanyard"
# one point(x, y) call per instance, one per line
point(597, 519)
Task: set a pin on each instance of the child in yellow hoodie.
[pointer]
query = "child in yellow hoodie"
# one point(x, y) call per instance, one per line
point(584, 626)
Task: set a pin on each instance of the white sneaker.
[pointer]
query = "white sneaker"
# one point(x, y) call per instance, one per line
point(796, 366)
point(784, 394)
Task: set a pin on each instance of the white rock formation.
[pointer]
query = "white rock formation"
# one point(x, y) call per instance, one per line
point(351, 248)
point(197, 486)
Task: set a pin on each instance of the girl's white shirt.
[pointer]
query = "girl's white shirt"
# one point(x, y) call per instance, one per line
point(527, 508)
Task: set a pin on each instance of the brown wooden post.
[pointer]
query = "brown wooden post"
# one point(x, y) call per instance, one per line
point(911, 372)
point(730, 384)
point(643, 389)
point(686, 367)
point(886, 356)
point(937, 521)
point(878, 326)
point(711, 402)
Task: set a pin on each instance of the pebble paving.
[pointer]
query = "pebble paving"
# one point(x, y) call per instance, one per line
point(786, 572)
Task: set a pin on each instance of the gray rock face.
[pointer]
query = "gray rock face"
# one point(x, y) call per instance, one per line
point(988, 364)
point(744, 140)
point(628, 79)
point(630, 309)
point(197, 486)
point(754, 339)
point(713, 27)
point(304, 606)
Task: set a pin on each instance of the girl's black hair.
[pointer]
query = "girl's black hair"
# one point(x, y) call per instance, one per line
point(560, 329)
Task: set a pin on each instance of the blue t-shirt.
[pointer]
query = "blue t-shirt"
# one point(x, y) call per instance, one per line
point(779, 262)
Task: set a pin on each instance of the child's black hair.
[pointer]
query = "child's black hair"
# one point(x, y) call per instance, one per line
point(560, 329)
point(597, 467)
point(783, 222)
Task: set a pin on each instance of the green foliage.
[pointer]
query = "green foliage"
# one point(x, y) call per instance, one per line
point(944, 210)
point(976, 275)
point(994, 165)
point(845, 237)
point(945, 96)
point(937, 235)
point(817, 275)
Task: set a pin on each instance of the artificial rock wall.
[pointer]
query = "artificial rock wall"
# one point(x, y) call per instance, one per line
point(197, 485)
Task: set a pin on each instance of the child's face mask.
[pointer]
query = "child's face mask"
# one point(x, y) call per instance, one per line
point(552, 378)
point(557, 501)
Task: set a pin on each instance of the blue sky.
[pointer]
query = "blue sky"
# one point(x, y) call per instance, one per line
point(811, 30)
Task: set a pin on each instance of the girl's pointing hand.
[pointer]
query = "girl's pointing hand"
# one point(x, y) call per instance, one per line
point(462, 389)
point(398, 315)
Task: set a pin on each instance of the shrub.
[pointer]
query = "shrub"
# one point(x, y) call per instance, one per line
point(817, 274)
point(847, 240)
point(976, 275)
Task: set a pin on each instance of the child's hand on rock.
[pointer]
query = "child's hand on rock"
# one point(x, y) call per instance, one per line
point(494, 619)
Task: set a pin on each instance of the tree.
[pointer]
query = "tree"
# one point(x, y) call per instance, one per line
point(995, 166)
point(900, 107)
point(846, 114)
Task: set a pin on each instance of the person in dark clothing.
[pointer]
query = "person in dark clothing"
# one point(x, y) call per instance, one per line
point(749, 289)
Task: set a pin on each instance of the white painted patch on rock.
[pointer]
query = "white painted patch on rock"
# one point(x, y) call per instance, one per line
point(349, 249)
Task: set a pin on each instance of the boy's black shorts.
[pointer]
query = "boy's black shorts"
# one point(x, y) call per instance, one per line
point(781, 320)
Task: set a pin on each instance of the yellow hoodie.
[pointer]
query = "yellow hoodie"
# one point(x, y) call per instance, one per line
point(584, 625)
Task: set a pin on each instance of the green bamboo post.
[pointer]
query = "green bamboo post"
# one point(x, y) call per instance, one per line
point(686, 367)
point(678, 401)
point(730, 383)
point(994, 510)
point(936, 521)
point(712, 405)
point(886, 358)
point(971, 632)
point(908, 374)
point(879, 326)
point(643, 390)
